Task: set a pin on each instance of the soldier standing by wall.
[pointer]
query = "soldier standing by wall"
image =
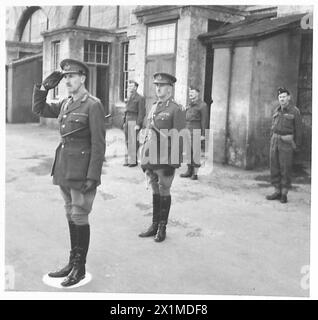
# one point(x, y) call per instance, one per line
point(164, 114)
point(196, 119)
point(134, 113)
point(286, 138)
point(79, 157)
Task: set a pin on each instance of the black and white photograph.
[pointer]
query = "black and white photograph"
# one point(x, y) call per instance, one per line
point(161, 149)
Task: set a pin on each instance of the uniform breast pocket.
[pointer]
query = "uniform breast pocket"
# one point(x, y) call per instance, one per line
point(77, 165)
point(288, 121)
point(163, 121)
point(78, 120)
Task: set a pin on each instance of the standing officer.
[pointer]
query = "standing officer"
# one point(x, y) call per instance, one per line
point(196, 120)
point(134, 114)
point(79, 157)
point(160, 164)
point(286, 138)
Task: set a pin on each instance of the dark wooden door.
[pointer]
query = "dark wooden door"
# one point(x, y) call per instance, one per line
point(98, 84)
point(102, 87)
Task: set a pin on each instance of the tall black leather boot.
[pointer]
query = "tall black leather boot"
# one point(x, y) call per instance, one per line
point(165, 203)
point(152, 230)
point(63, 272)
point(78, 270)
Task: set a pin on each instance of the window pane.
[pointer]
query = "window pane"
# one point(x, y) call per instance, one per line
point(161, 39)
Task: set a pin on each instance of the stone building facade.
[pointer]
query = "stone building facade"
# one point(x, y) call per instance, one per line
point(132, 42)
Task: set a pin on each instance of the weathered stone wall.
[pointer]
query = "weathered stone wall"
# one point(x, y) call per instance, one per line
point(238, 126)
point(272, 68)
point(220, 88)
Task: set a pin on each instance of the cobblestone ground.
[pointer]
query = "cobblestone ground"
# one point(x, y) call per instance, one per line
point(223, 237)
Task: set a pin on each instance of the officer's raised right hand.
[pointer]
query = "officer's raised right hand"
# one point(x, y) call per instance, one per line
point(52, 80)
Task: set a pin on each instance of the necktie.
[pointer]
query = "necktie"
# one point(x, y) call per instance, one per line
point(67, 104)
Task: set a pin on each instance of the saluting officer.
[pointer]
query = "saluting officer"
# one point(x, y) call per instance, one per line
point(161, 152)
point(78, 159)
point(134, 115)
point(196, 120)
point(286, 138)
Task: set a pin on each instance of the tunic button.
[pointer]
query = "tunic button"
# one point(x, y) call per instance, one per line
point(63, 126)
point(83, 152)
point(63, 145)
point(64, 116)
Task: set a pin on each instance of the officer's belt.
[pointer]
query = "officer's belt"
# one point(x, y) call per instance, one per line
point(73, 131)
point(75, 140)
point(281, 133)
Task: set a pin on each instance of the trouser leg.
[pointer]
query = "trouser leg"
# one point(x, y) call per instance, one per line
point(126, 144)
point(131, 142)
point(286, 163)
point(275, 170)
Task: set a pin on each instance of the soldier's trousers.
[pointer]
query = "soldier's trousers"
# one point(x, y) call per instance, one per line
point(77, 205)
point(131, 141)
point(160, 182)
point(281, 162)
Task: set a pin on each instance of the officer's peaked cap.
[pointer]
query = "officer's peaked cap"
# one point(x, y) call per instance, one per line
point(164, 78)
point(73, 66)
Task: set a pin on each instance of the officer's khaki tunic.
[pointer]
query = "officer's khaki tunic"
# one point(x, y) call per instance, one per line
point(80, 155)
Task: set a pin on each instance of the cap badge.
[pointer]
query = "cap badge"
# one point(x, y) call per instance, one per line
point(67, 67)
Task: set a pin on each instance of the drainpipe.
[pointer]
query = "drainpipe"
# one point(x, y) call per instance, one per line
point(227, 133)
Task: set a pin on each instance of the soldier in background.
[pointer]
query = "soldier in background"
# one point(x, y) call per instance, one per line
point(286, 138)
point(196, 119)
point(135, 112)
point(166, 114)
point(79, 157)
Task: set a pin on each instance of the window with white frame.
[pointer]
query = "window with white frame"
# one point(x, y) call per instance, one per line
point(96, 52)
point(161, 39)
point(125, 71)
point(55, 63)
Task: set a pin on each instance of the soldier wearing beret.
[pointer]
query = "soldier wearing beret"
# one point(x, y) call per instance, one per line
point(133, 121)
point(196, 122)
point(285, 139)
point(161, 152)
point(78, 159)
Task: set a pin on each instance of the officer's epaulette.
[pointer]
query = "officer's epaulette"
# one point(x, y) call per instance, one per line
point(95, 99)
point(179, 105)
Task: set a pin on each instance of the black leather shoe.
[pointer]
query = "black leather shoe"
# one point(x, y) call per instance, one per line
point(132, 165)
point(194, 177)
point(77, 274)
point(283, 198)
point(188, 173)
point(275, 196)
point(161, 233)
point(152, 230)
point(66, 270)
point(78, 271)
point(125, 164)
